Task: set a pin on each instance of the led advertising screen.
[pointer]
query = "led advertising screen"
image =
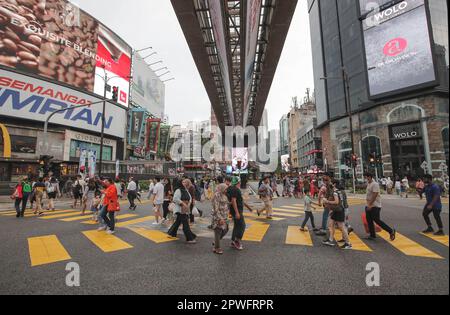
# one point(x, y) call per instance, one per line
point(153, 126)
point(57, 40)
point(136, 126)
point(398, 49)
point(240, 161)
point(148, 91)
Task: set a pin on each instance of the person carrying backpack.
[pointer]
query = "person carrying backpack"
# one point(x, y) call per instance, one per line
point(52, 187)
point(27, 188)
point(337, 217)
point(77, 191)
point(17, 197)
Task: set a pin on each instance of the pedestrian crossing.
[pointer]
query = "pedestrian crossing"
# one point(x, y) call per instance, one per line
point(49, 249)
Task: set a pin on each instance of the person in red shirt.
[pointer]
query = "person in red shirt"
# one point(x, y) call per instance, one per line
point(110, 206)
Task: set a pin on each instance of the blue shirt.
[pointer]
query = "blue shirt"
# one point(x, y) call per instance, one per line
point(432, 191)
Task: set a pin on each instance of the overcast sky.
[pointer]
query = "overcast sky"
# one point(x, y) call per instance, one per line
point(144, 23)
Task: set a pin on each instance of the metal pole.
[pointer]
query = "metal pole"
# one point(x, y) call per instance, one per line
point(100, 161)
point(350, 116)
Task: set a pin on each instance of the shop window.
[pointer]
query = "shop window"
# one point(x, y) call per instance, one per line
point(405, 113)
point(345, 153)
point(446, 143)
point(371, 149)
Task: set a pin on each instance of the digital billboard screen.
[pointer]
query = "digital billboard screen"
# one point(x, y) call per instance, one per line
point(57, 40)
point(240, 161)
point(398, 49)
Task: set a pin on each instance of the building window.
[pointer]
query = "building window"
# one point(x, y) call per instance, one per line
point(345, 152)
point(77, 146)
point(405, 113)
point(371, 148)
point(446, 144)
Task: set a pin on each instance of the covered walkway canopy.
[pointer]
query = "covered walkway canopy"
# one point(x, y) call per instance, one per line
point(236, 45)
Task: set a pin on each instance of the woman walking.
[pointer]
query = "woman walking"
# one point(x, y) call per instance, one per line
point(53, 191)
point(38, 190)
point(220, 213)
point(182, 200)
point(17, 197)
point(168, 194)
point(89, 195)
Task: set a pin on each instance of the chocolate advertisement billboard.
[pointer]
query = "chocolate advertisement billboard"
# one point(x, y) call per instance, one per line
point(57, 40)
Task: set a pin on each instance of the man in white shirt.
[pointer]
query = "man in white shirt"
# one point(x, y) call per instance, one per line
point(132, 193)
point(158, 200)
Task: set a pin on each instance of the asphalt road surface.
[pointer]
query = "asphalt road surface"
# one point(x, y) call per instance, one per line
point(278, 259)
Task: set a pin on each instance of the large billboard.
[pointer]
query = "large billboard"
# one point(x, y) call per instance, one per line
point(152, 137)
point(57, 40)
point(26, 97)
point(398, 49)
point(147, 91)
point(253, 13)
point(240, 161)
point(218, 20)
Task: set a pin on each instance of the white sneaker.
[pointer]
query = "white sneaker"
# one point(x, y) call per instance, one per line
point(156, 223)
point(110, 232)
point(102, 228)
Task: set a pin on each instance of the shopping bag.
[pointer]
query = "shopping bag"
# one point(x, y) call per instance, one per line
point(195, 212)
point(366, 224)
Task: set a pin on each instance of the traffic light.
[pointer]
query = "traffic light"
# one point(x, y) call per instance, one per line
point(348, 160)
point(115, 94)
point(354, 160)
point(46, 162)
point(372, 160)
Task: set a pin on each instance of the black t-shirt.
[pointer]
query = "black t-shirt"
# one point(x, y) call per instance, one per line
point(234, 192)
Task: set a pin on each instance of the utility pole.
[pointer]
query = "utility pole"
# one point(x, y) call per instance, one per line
point(350, 116)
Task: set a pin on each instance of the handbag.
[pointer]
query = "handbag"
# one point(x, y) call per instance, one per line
point(195, 212)
point(171, 207)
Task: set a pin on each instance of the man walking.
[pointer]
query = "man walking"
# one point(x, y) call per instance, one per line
point(158, 200)
point(26, 191)
point(237, 212)
point(433, 205)
point(132, 193)
point(373, 209)
point(266, 193)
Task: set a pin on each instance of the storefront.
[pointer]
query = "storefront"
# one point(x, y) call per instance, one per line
point(401, 136)
point(407, 149)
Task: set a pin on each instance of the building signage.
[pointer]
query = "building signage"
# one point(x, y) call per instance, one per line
point(406, 132)
point(136, 126)
point(33, 99)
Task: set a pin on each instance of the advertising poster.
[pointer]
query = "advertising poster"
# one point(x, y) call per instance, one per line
point(372, 6)
point(398, 49)
point(117, 169)
point(217, 19)
point(136, 126)
point(82, 163)
point(92, 163)
point(164, 134)
point(253, 12)
point(153, 126)
point(148, 91)
point(57, 40)
point(34, 99)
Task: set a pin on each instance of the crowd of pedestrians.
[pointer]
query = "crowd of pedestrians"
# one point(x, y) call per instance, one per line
point(176, 202)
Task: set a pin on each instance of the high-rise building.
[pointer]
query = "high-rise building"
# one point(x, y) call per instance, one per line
point(394, 59)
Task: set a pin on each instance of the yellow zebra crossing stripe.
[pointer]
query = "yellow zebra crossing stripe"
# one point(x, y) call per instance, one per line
point(107, 243)
point(136, 221)
point(355, 240)
point(78, 218)
point(46, 250)
point(292, 207)
point(440, 239)
point(409, 247)
point(157, 237)
point(70, 213)
point(119, 217)
point(296, 237)
point(288, 215)
point(256, 231)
